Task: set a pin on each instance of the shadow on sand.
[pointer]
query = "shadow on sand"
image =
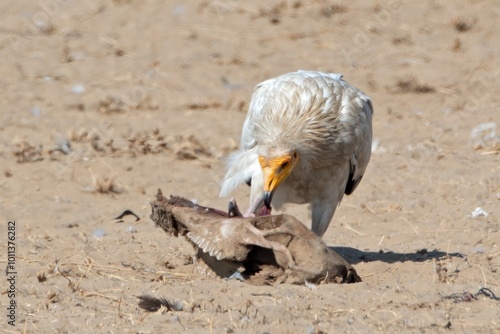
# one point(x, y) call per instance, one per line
point(354, 256)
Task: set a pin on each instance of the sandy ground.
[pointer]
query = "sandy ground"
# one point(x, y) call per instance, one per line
point(104, 102)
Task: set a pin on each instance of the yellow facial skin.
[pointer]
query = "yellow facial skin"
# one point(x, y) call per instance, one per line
point(276, 170)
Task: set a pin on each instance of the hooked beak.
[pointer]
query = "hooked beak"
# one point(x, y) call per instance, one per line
point(268, 196)
point(275, 171)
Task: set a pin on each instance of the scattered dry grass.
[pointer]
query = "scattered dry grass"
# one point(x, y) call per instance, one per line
point(78, 268)
point(402, 40)
point(78, 136)
point(412, 85)
point(457, 45)
point(492, 147)
point(117, 105)
point(135, 144)
point(143, 143)
point(204, 105)
point(92, 137)
point(485, 139)
point(111, 105)
point(143, 102)
point(242, 106)
point(190, 148)
point(41, 276)
point(442, 272)
point(101, 147)
point(107, 185)
point(24, 151)
point(463, 24)
point(444, 276)
point(328, 10)
point(274, 13)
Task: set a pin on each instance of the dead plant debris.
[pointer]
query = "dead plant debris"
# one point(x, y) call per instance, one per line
point(190, 148)
point(328, 10)
point(41, 276)
point(117, 105)
point(412, 85)
point(443, 275)
point(24, 151)
point(463, 24)
point(107, 185)
point(204, 105)
point(457, 45)
point(469, 297)
point(142, 143)
point(274, 13)
point(98, 143)
point(402, 40)
point(111, 105)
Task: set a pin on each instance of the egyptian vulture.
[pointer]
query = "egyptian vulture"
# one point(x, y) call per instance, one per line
point(306, 139)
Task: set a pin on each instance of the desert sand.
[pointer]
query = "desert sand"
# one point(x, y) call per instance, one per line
point(104, 102)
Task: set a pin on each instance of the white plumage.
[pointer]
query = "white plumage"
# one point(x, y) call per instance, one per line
point(306, 139)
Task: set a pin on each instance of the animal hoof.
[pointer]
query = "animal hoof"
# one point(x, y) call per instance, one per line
point(233, 210)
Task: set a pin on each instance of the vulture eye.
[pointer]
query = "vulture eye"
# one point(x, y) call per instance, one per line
point(295, 155)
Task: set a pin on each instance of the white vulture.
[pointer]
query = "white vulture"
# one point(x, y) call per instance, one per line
point(306, 139)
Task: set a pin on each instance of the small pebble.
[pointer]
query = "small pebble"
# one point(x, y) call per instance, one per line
point(479, 212)
point(64, 146)
point(99, 233)
point(36, 111)
point(78, 89)
point(179, 10)
point(237, 276)
point(479, 250)
point(131, 229)
point(310, 330)
point(484, 135)
point(310, 286)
